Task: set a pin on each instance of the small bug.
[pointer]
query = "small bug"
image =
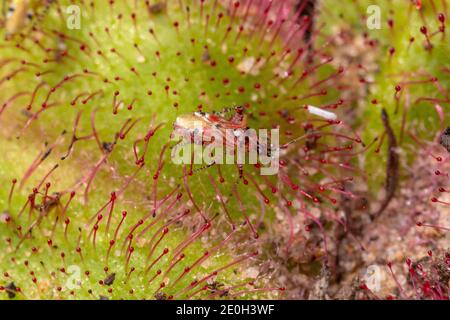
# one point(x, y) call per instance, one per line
point(160, 296)
point(109, 280)
point(214, 286)
point(207, 126)
point(11, 290)
point(18, 14)
point(210, 125)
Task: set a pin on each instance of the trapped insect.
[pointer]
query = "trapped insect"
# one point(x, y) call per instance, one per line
point(18, 14)
point(229, 133)
point(208, 125)
point(216, 131)
point(188, 125)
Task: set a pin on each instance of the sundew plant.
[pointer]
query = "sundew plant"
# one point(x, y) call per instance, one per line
point(350, 103)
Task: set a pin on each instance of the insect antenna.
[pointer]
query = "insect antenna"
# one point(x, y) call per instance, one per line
point(198, 170)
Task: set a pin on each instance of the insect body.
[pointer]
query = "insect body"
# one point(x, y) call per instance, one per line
point(204, 129)
point(217, 132)
point(207, 126)
point(18, 14)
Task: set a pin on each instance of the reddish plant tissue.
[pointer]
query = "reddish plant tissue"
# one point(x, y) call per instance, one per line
point(99, 191)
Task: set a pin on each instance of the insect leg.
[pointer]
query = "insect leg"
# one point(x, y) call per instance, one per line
point(203, 168)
